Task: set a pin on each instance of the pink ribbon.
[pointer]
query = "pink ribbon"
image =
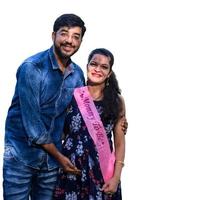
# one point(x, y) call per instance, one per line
point(96, 131)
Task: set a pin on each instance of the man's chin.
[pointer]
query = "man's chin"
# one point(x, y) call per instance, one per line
point(67, 54)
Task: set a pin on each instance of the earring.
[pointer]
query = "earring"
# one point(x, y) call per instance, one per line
point(107, 82)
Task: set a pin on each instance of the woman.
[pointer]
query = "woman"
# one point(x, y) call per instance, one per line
point(82, 147)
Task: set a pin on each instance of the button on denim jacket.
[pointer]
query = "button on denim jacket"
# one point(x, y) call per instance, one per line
point(37, 112)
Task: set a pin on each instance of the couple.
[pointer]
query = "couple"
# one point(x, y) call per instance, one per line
point(45, 105)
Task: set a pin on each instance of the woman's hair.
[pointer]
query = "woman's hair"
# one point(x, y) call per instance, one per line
point(69, 20)
point(111, 103)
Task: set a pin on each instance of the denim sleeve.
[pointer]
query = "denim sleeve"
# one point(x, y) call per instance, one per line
point(28, 85)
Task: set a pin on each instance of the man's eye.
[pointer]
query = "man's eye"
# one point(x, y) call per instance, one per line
point(63, 34)
point(76, 37)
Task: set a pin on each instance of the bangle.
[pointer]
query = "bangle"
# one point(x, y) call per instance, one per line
point(119, 162)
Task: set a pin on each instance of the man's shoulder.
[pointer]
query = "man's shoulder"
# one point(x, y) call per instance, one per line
point(78, 74)
point(76, 67)
point(37, 62)
point(38, 57)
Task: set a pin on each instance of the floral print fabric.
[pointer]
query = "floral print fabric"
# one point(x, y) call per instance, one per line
point(80, 149)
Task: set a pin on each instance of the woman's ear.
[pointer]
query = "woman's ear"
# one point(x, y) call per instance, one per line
point(109, 74)
point(87, 67)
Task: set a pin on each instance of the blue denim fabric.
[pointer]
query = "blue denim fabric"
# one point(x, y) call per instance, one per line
point(36, 115)
point(21, 182)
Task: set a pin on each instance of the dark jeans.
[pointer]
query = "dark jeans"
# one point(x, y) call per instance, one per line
point(22, 182)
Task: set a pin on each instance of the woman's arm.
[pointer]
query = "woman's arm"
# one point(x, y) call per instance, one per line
point(119, 144)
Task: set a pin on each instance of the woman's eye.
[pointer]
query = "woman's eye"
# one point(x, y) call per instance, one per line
point(93, 64)
point(104, 67)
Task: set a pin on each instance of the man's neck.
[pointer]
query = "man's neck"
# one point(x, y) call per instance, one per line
point(62, 63)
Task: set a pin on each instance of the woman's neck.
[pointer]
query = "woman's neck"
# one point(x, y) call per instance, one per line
point(96, 92)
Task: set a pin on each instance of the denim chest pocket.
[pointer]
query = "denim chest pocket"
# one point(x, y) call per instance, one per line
point(7, 153)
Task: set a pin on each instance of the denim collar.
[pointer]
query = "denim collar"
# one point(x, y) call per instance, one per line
point(55, 63)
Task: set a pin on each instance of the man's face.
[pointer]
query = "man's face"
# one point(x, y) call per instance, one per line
point(67, 41)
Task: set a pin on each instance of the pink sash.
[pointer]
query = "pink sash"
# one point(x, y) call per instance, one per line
point(96, 130)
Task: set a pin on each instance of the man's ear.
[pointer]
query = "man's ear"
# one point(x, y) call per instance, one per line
point(53, 35)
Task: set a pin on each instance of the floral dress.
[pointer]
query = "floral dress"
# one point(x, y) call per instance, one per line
point(80, 149)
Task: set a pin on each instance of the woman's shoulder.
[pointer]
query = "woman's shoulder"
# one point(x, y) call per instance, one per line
point(121, 97)
point(123, 109)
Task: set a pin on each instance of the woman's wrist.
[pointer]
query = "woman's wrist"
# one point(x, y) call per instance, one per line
point(116, 178)
point(119, 162)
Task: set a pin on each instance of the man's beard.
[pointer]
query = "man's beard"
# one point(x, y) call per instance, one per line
point(59, 53)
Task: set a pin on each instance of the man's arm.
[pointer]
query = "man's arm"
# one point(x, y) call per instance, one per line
point(64, 161)
point(28, 86)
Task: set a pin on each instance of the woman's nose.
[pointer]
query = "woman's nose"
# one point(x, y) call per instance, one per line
point(97, 68)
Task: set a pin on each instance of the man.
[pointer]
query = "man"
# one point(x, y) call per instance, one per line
point(44, 87)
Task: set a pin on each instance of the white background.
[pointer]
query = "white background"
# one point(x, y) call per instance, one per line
point(157, 60)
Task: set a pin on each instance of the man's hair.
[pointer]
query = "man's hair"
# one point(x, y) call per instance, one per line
point(69, 20)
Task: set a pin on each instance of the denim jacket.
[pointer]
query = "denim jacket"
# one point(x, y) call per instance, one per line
point(37, 112)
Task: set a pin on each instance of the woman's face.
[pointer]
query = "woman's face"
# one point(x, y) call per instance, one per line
point(98, 69)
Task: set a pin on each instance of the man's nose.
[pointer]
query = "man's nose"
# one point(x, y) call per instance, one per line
point(68, 39)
